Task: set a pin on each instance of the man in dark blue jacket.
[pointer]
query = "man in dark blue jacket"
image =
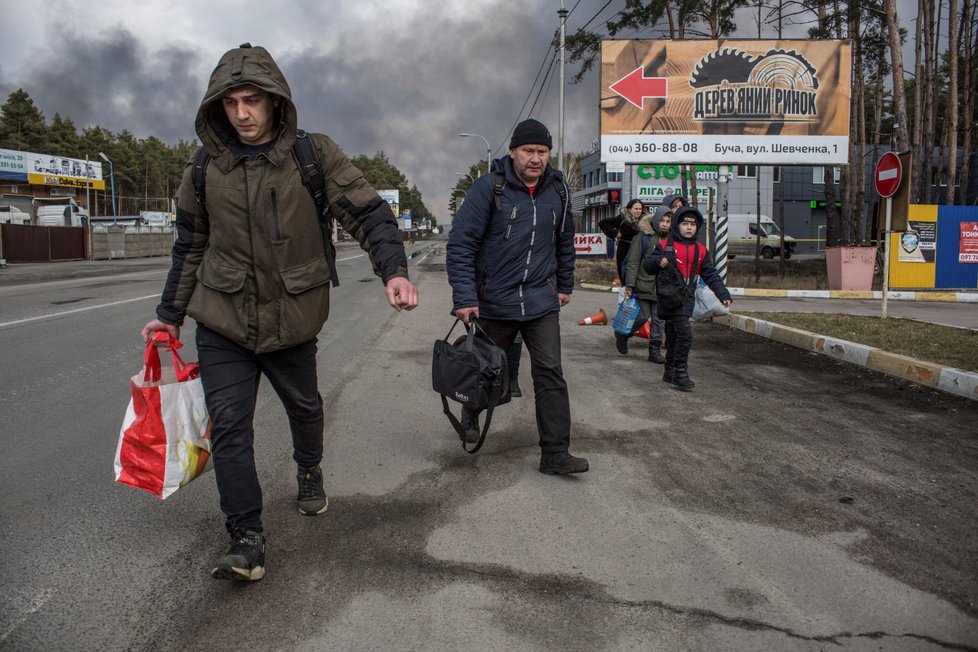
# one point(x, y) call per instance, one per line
point(511, 265)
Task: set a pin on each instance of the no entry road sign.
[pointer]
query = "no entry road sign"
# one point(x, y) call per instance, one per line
point(889, 174)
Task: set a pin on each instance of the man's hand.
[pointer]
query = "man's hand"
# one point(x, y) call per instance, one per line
point(564, 299)
point(626, 292)
point(402, 294)
point(727, 302)
point(465, 314)
point(156, 325)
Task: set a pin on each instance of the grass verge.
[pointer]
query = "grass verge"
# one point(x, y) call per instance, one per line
point(945, 345)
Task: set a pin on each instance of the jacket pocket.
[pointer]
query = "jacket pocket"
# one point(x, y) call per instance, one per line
point(219, 301)
point(304, 305)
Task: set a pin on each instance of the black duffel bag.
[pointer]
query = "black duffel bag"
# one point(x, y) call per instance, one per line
point(471, 371)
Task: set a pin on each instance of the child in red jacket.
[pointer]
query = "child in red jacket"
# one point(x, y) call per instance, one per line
point(677, 261)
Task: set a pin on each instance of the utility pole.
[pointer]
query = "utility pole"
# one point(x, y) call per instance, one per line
point(562, 13)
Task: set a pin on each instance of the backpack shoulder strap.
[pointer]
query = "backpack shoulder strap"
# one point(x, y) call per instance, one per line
point(309, 170)
point(562, 192)
point(199, 174)
point(498, 183)
point(311, 173)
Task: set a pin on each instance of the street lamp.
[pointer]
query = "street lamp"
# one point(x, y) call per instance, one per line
point(488, 149)
point(105, 158)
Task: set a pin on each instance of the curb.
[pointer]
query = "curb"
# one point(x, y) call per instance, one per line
point(947, 379)
point(892, 295)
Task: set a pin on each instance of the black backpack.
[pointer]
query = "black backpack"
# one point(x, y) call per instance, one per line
point(672, 290)
point(312, 178)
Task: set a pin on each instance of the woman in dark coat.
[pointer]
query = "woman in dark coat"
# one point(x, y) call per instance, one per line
point(623, 227)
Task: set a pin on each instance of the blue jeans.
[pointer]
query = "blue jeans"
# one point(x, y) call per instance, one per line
point(230, 375)
point(542, 339)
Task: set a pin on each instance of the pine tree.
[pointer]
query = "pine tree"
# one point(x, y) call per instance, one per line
point(22, 126)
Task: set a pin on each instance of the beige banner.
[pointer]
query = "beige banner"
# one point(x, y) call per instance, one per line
point(772, 93)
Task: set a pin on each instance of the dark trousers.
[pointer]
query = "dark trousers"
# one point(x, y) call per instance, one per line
point(646, 312)
point(542, 339)
point(230, 375)
point(679, 339)
point(513, 354)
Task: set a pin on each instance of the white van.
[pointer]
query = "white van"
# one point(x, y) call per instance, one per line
point(13, 215)
point(742, 237)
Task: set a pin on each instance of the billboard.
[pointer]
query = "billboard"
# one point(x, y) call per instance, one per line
point(725, 101)
point(392, 197)
point(47, 170)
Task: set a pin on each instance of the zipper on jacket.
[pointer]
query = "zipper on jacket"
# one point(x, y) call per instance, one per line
point(509, 224)
point(529, 256)
point(275, 223)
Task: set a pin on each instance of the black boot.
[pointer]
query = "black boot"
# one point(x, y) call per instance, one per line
point(667, 373)
point(514, 387)
point(621, 343)
point(681, 379)
point(470, 426)
point(655, 353)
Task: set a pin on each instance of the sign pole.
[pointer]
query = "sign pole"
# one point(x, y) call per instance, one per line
point(720, 253)
point(886, 252)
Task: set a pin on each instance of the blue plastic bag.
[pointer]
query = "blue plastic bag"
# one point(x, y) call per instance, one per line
point(626, 316)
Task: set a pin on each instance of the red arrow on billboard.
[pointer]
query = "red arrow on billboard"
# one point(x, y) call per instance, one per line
point(635, 87)
point(587, 249)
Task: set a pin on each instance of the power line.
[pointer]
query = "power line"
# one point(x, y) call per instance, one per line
point(553, 50)
point(553, 61)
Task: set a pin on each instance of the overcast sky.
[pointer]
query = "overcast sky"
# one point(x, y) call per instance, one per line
point(405, 76)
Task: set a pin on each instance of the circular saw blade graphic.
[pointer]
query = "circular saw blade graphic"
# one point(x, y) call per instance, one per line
point(731, 65)
point(782, 69)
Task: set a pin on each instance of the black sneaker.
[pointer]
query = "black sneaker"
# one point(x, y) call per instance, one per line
point(470, 426)
point(562, 463)
point(312, 499)
point(245, 560)
point(514, 388)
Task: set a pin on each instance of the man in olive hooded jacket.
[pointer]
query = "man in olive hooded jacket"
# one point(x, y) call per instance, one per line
point(250, 267)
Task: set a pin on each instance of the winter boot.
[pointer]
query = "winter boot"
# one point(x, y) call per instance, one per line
point(680, 379)
point(668, 373)
point(621, 343)
point(470, 426)
point(514, 387)
point(562, 463)
point(655, 353)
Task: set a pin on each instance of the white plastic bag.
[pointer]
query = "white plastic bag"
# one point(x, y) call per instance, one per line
point(164, 442)
point(707, 305)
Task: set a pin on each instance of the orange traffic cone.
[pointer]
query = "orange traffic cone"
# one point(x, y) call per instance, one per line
point(597, 319)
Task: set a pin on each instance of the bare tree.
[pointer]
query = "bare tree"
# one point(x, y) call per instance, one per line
point(952, 99)
point(899, 95)
point(970, 87)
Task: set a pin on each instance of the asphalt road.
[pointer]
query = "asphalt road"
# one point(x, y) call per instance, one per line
point(791, 502)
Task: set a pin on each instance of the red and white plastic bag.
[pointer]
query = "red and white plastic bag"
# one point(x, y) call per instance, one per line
point(164, 442)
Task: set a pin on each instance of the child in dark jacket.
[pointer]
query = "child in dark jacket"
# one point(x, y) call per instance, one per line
point(681, 254)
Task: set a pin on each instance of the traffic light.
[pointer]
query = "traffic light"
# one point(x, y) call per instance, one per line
point(614, 196)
